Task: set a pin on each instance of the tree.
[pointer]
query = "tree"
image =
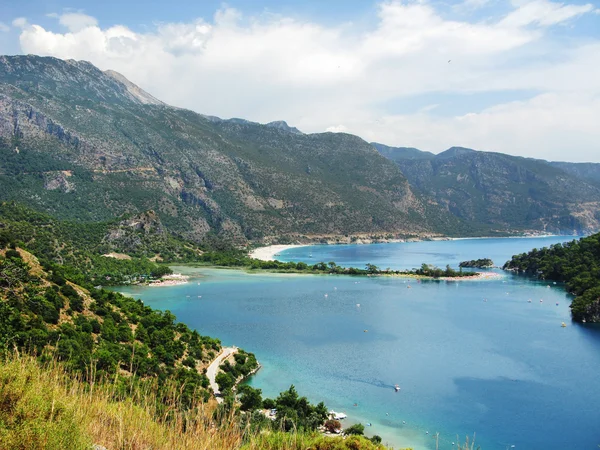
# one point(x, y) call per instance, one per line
point(333, 426)
point(356, 429)
point(268, 403)
point(376, 439)
point(225, 381)
point(372, 268)
point(251, 398)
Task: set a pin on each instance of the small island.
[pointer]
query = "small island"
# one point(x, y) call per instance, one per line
point(483, 263)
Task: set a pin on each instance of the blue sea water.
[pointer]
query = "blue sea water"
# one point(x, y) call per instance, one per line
point(470, 356)
point(409, 255)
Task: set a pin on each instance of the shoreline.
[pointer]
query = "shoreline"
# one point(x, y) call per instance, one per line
point(267, 253)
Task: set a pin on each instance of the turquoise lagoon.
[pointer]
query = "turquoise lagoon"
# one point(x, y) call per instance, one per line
point(470, 356)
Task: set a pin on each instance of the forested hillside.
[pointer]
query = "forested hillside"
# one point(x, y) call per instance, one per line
point(107, 253)
point(577, 263)
point(101, 368)
point(86, 145)
point(41, 310)
point(505, 192)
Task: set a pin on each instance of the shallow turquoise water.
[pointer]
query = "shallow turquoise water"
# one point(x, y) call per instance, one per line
point(502, 368)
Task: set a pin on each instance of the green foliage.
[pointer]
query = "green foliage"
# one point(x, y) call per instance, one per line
point(245, 363)
point(74, 250)
point(356, 429)
point(102, 336)
point(295, 412)
point(577, 263)
point(225, 381)
point(482, 263)
point(250, 398)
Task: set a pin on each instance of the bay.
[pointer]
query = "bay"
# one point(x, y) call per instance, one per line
point(470, 356)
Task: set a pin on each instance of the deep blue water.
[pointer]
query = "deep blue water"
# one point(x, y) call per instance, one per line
point(502, 368)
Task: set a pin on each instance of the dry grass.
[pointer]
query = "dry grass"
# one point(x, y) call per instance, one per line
point(43, 407)
point(46, 408)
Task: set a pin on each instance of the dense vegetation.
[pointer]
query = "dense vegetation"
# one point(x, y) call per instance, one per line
point(482, 263)
point(577, 263)
point(81, 246)
point(97, 333)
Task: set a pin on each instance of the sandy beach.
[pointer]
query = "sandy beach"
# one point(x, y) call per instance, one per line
point(170, 280)
point(268, 253)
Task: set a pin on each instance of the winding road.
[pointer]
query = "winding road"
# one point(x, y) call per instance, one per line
point(213, 368)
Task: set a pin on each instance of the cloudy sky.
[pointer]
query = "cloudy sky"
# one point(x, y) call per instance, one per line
point(520, 77)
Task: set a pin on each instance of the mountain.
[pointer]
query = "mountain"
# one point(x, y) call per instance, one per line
point(283, 126)
point(86, 145)
point(590, 172)
point(402, 153)
point(505, 192)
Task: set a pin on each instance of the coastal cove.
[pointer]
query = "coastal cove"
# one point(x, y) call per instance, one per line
point(474, 356)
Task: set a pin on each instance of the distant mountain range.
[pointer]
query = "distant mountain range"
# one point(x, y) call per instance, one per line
point(503, 191)
point(87, 145)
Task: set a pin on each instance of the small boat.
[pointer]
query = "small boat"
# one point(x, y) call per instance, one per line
point(365, 331)
point(396, 388)
point(564, 325)
point(529, 301)
point(326, 295)
point(337, 415)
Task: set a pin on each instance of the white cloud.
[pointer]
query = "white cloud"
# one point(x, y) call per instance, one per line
point(19, 22)
point(4, 28)
point(544, 13)
point(337, 129)
point(76, 21)
point(318, 77)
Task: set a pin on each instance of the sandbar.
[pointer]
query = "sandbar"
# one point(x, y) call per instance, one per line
point(268, 253)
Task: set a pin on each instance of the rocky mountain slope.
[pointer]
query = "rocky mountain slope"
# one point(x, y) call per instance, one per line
point(82, 144)
point(590, 172)
point(503, 191)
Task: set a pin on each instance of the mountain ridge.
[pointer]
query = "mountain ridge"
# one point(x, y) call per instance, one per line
point(500, 190)
point(76, 143)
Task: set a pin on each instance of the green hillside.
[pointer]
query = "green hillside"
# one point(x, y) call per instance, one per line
point(87, 145)
point(505, 193)
point(577, 263)
point(80, 365)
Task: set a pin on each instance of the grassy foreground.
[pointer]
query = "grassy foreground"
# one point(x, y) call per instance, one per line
point(44, 407)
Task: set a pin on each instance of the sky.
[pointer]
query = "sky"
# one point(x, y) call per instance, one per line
point(518, 76)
